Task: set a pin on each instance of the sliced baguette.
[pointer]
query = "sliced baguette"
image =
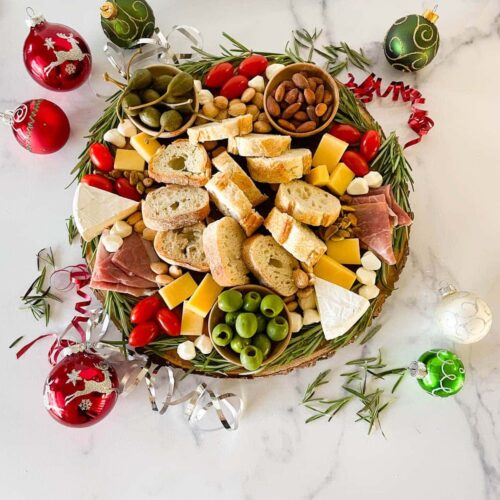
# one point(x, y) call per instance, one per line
point(231, 201)
point(224, 163)
point(173, 207)
point(217, 131)
point(295, 237)
point(223, 242)
point(183, 247)
point(270, 263)
point(291, 165)
point(268, 145)
point(181, 163)
point(308, 204)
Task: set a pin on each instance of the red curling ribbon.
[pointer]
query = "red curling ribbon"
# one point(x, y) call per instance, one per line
point(419, 121)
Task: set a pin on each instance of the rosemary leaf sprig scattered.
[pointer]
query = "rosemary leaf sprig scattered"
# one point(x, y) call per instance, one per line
point(71, 228)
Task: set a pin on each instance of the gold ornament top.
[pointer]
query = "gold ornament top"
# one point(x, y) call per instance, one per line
point(431, 15)
point(109, 10)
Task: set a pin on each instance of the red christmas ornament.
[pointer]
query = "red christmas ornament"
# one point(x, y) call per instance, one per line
point(55, 55)
point(39, 125)
point(81, 390)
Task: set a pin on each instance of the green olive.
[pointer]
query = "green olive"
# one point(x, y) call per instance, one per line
point(150, 117)
point(271, 306)
point(230, 301)
point(222, 334)
point(149, 95)
point(246, 325)
point(129, 101)
point(251, 358)
point(140, 79)
point(230, 318)
point(171, 120)
point(160, 83)
point(277, 329)
point(261, 323)
point(239, 343)
point(251, 301)
point(261, 340)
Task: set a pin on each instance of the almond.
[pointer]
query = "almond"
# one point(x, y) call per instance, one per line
point(307, 126)
point(320, 92)
point(286, 125)
point(301, 116)
point(328, 97)
point(279, 93)
point(290, 110)
point(320, 109)
point(311, 113)
point(310, 96)
point(312, 84)
point(272, 106)
point(291, 96)
point(300, 81)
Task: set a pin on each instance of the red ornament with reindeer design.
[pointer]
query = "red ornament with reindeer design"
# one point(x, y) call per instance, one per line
point(81, 389)
point(55, 55)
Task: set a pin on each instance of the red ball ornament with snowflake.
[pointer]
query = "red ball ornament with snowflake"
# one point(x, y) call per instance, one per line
point(55, 55)
point(81, 390)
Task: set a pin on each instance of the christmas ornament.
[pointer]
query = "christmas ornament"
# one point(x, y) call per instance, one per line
point(439, 372)
point(81, 390)
point(124, 22)
point(463, 316)
point(412, 42)
point(55, 55)
point(39, 125)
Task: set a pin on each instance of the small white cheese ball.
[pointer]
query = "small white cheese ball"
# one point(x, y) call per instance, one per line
point(296, 322)
point(204, 344)
point(257, 83)
point(186, 350)
point(205, 97)
point(114, 137)
point(311, 316)
point(197, 85)
point(369, 292)
point(374, 179)
point(127, 128)
point(112, 242)
point(365, 276)
point(272, 69)
point(370, 261)
point(357, 186)
point(121, 228)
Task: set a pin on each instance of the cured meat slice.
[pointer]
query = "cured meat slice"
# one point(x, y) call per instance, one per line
point(403, 219)
point(374, 198)
point(118, 287)
point(375, 229)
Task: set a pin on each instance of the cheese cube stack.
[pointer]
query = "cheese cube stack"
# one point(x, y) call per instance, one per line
point(191, 323)
point(145, 145)
point(205, 296)
point(128, 159)
point(329, 152)
point(178, 291)
point(330, 270)
point(340, 178)
point(344, 251)
point(319, 176)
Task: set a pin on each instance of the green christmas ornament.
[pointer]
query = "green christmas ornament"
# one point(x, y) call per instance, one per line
point(439, 372)
point(412, 42)
point(126, 21)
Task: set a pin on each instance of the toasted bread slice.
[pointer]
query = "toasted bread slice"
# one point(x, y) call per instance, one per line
point(270, 263)
point(217, 131)
point(223, 242)
point(308, 204)
point(268, 145)
point(183, 247)
point(231, 201)
point(295, 237)
point(224, 163)
point(291, 165)
point(181, 163)
point(173, 207)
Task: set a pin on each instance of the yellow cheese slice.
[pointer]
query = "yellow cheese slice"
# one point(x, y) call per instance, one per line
point(344, 251)
point(319, 176)
point(191, 323)
point(205, 296)
point(128, 159)
point(329, 152)
point(340, 178)
point(178, 291)
point(330, 270)
point(145, 145)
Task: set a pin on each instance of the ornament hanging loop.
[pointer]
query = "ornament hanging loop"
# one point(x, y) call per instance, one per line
point(7, 117)
point(33, 18)
point(417, 369)
point(446, 289)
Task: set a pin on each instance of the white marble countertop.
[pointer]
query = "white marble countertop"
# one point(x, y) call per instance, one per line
point(434, 449)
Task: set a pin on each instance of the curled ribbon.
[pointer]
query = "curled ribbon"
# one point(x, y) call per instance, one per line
point(419, 121)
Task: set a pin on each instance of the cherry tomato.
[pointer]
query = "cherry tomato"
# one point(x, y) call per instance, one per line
point(143, 334)
point(145, 309)
point(169, 322)
point(219, 75)
point(346, 133)
point(125, 189)
point(234, 87)
point(98, 181)
point(356, 163)
point(252, 66)
point(101, 157)
point(370, 144)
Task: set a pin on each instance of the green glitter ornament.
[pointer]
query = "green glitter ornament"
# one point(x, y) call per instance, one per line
point(412, 42)
point(439, 372)
point(126, 21)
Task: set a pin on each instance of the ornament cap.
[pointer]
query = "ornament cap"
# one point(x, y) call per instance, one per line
point(446, 289)
point(109, 10)
point(431, 15)
point(417, 369)
point(33, 18)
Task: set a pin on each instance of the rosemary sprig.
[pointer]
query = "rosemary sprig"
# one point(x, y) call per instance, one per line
point(373, 331)
point(118, 306)
point(320, 380)
point(331, 54)
point(71, 229)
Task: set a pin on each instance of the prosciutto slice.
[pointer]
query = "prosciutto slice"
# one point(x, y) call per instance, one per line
point(118, 287)
point(374, 198)
point(403, 219)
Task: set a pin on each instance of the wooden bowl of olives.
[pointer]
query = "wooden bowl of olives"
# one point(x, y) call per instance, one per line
point(249, 326)
point(174, 102)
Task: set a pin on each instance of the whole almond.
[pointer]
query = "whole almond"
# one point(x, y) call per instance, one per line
point(280, 92)
point(320, 109)
point(248, 94)
point(300, 98)
point(272, 106)
point(300, 81)
point(320, 93)
point(288, 84)
point(312, 84)
point(286, 125)
point(327, 113)
point(328, 97)
point(290, 110)
point(311, 113)
point(306, 126)
point(291, 96)
point(310, 96)
point(317, 79)
point(301, 116)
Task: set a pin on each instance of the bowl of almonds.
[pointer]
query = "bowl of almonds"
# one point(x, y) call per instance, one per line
point(301, 100)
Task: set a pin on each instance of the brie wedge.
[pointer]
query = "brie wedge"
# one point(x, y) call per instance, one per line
point(95, 209)
point(339, 308)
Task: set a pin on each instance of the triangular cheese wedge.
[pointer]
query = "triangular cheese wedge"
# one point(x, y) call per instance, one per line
point(339, 308)
point(95, 209)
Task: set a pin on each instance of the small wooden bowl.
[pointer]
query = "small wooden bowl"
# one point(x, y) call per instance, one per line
point(286, 74)
point(166, 69)
point(217, 316)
